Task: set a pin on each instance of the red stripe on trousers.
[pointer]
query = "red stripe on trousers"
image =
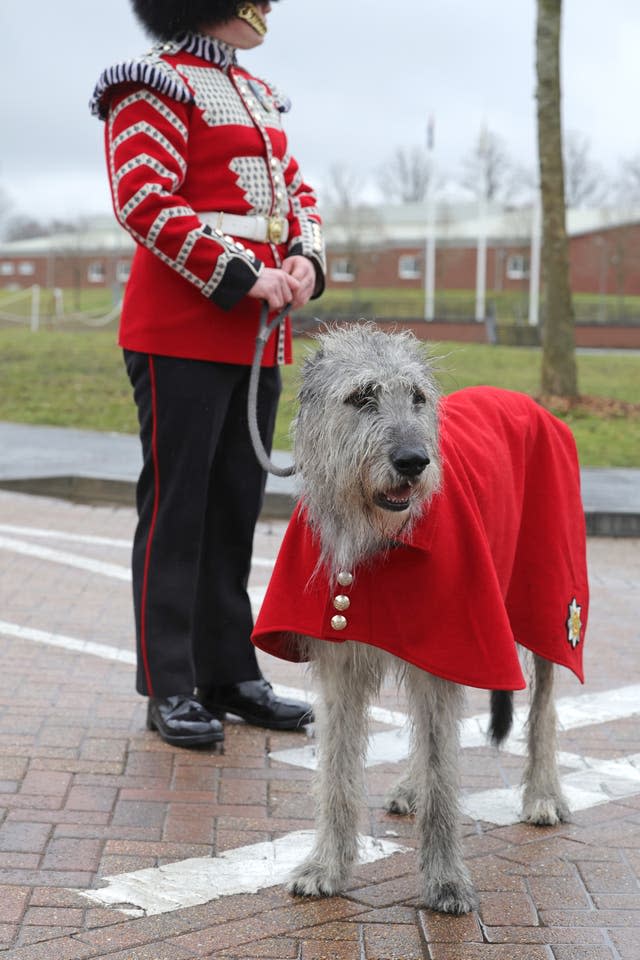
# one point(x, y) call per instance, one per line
point(156, 501)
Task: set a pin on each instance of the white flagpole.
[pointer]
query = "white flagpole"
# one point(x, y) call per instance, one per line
point(430, 239)
point(534, 261)
point(481, 254)
point(481, 261)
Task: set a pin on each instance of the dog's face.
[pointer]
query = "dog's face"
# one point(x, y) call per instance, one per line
point(366, 436)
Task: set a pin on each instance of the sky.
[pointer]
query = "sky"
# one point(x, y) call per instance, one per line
point(364, 77)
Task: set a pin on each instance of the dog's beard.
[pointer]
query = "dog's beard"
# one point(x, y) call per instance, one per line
point(389, 524)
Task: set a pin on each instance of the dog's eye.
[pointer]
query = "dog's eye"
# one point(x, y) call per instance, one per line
point(418, 396)
point(363, 397)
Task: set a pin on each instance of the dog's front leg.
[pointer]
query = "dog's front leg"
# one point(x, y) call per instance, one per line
point(436, 707)
point(342, 737)
point(543, 802)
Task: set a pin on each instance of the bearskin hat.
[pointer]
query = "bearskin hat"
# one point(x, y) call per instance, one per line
point(164, 19)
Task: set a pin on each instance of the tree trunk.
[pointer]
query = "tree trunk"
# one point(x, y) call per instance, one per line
point(559, 375)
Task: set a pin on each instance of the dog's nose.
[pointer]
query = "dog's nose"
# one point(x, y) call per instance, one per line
point(410, 461)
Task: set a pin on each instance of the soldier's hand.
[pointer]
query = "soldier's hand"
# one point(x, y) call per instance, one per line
point(304, 272)
point(275, 286)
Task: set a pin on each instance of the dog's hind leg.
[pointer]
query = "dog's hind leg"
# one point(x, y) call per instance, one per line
point(349, 674)
point(543, 801)
point(436, 708)
point(401, 798)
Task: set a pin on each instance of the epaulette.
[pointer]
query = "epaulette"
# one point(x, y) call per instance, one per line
point(150, 70)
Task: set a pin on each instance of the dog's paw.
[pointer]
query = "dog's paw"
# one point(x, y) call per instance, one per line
point(314, 879)
point(451, 896)
point(400, 799)
point(545, 811)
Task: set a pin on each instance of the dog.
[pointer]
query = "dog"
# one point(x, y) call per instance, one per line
point(431, 535)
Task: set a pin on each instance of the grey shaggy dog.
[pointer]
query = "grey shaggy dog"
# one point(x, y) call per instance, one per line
point(364, 478)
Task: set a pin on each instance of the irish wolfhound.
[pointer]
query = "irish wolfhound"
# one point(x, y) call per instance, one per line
point(429, 536)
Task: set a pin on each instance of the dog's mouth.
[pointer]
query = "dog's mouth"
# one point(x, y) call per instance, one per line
point(396, 498)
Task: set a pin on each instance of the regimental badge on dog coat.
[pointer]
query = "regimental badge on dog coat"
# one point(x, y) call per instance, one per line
point(497, 557)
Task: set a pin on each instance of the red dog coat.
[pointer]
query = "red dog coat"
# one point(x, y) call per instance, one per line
point(497, 556)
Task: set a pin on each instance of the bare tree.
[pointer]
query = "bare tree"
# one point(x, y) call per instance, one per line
point(5, 208)
point(559, 373)
point(628, 186)
point(405, 176)
point(23, 227)
point(584, 181)
point(487, 170)
point(342, 196)
point(343, 188)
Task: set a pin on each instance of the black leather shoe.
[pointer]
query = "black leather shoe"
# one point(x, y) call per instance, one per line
point(255, 702)
point(183, 722)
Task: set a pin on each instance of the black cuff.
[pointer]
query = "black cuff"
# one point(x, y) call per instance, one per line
point(235, 283)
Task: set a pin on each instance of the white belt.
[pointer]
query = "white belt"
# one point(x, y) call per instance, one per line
point(251, 227)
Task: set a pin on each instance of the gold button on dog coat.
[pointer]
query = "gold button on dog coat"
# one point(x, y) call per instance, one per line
point(497, 557)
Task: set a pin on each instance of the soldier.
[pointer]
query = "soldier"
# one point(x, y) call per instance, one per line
point(202, 179)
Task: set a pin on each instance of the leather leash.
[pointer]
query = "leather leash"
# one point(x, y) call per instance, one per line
point(264, 333)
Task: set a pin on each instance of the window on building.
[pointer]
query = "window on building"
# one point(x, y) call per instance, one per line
point(517, 267)
point(123, 269)
point(342, 270)
point(409, 267)
point(7, 269)
point(26, 268)
point(95, 272)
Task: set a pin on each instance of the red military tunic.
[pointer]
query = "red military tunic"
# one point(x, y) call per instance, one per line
point(497, 557)
point(188, 132)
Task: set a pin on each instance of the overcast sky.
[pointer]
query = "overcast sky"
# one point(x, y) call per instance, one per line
point(363, 75)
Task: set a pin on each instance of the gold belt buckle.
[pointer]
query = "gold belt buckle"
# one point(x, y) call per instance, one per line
point(275, 229)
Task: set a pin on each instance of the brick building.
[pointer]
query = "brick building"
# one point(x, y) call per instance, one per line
point(386, 248)
point(377, 247)
point(98, 255)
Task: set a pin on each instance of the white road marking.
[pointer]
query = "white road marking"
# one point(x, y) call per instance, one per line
point(80, 562)
point(573, 712)
point(599, 781)
point(592, 782)
point(188, 883)
point(40, 532)
point(264, 562)
point(68, 559)
point(102, 650)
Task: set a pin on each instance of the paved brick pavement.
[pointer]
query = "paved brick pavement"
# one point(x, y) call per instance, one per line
point(86, 793)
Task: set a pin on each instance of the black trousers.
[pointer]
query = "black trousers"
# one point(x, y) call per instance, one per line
point(199, 496)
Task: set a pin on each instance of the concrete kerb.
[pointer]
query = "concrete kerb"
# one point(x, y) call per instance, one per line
point(102, 468)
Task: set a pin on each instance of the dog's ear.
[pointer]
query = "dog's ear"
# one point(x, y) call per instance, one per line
point(309, 366)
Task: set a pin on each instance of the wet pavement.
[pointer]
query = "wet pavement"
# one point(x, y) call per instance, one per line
point(116, 845)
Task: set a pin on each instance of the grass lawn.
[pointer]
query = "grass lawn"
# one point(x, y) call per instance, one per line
point(77, 379)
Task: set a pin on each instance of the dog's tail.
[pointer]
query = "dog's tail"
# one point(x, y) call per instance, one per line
point(501, 716)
